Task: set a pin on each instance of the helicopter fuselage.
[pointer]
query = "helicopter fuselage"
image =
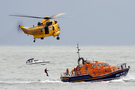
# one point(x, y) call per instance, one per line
point(44, 29)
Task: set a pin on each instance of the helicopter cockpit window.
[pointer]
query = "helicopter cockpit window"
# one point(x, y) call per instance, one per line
point(55, 22)
point(58, 26)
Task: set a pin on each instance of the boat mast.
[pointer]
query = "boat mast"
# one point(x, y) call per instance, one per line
point(78, 50)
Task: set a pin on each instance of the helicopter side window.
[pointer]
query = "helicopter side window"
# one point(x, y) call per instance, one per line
point(41, 30)
point(46, 30)
point(53, 28)
point(35, 31)
point(48, 23)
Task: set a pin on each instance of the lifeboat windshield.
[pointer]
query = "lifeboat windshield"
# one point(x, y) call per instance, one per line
point(121, 66)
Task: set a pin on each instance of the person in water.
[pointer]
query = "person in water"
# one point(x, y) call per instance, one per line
point(46, 72)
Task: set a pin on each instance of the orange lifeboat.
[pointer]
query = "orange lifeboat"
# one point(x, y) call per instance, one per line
point(94, 71)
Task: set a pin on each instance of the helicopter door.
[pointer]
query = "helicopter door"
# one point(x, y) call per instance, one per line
point(46, 27)
point(46, 30)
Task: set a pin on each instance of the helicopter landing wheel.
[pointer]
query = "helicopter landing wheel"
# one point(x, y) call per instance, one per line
point(34, 40)
point(58, 38)
point(42, 38)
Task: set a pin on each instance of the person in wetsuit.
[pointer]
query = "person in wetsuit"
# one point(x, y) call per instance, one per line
point(46, 72)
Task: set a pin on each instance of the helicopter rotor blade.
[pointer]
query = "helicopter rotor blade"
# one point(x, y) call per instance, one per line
point(54, 16)
point(19, 15)
point(28, 16)
point(57, 15)
point(74, 16)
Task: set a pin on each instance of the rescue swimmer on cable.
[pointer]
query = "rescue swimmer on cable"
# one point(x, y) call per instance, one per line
point(45, 28)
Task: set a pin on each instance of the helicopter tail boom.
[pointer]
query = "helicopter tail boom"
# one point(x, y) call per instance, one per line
point(24, 29)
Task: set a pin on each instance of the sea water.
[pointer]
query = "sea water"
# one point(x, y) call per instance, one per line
point(15, 74)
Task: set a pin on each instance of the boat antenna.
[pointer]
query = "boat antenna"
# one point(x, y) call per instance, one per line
point(78, 50)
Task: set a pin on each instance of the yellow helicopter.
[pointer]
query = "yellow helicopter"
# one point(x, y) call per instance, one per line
point(44, 28)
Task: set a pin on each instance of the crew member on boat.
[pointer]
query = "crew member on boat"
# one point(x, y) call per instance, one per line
point(67, 71)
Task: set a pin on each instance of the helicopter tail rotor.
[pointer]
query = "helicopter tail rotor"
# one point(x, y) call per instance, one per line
point(18, 26)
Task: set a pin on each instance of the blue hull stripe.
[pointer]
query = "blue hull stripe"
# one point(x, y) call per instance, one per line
point(86, 78)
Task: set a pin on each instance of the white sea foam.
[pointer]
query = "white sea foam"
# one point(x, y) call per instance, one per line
point(28, 82)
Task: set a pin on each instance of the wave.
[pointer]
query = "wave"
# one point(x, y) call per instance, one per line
point(121, 80)
point(51, 81)
point(29, 82)
point(129, 78)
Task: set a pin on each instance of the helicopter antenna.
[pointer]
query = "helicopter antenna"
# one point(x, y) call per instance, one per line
point(78, 50)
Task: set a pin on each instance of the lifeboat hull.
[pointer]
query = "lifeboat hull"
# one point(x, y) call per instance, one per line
point(87, 78)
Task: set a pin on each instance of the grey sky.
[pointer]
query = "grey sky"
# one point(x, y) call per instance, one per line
point(108, 22)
